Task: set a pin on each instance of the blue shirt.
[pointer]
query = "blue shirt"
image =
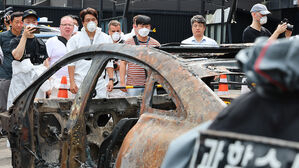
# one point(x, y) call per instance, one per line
point(205, 42)
point(6, 68)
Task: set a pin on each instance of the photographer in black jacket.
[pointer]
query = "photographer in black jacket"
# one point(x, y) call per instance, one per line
point(259, 13)
point(6, 67)
point(28, 52)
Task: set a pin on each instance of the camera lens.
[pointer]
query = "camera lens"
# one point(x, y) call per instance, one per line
point(290, 27)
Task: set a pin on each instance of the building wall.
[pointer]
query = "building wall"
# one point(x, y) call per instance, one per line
point(172, 25)
point(15, 2)
point(281, 4)
point(167, 5)
point(58, 3)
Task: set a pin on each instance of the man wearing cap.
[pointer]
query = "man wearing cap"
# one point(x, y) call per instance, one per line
point(30, 57)
point(25, 46)
point(198, 25)
point(259, 14)
point(136, 75)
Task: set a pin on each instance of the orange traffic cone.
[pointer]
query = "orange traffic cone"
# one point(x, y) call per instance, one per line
point(223, 86)
point(62, 92)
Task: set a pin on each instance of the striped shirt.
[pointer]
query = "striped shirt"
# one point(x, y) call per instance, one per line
point(136, 74)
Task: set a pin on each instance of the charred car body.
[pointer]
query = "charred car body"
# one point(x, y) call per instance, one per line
point(129, 132)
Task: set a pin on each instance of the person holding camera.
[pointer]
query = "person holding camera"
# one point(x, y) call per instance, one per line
point(6, 67)
point(29, 46)
point(30, 57)
point(259, 14)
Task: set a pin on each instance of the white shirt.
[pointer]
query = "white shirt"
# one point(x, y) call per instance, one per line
point(79, 40)
point(294, 37)
point(56, 49)
point(205, 42)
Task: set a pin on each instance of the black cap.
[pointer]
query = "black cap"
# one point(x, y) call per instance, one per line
point(29, 12)
point(142, 19)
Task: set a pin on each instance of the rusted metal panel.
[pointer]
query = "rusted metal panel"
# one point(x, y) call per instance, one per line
point(147, 142)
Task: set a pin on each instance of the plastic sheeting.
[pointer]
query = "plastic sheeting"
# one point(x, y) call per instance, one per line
point(24, 73)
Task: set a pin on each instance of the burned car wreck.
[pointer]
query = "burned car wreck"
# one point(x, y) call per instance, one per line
point(120, 132)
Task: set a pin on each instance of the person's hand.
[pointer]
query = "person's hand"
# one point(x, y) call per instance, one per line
point(48, 93)
point(123, 85)
point(73, 87)
point(7, 18)
point(110, 86)
point(288, 33)
point(28, 31)
point(216, 78)
point(281, 28)
point(7, 24)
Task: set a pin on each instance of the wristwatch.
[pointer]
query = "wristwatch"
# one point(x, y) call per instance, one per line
point(111, 79)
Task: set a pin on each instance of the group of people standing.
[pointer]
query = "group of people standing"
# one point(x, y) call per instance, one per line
point(26, 56)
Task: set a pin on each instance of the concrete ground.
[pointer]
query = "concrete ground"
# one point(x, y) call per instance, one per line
point(5, 154)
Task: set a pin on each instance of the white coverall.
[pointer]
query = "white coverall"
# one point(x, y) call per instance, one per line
point(81, 39)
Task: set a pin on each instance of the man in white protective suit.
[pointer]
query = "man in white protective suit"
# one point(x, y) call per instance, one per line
point(90, 34)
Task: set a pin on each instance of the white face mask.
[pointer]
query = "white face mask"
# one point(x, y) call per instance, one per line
point(115, 36)
point(263, 20)
point(76, 28)
point(143, 32)
point(91, 26)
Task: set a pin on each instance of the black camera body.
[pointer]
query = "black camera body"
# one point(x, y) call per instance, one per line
point(36, 30)
point(8, 13)
point(4, 14)
point(289, 26)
